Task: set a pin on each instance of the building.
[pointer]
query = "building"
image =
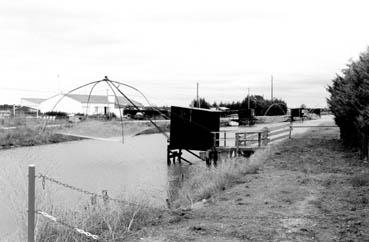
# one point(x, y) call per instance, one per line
point(32, 103)
point(79, 103)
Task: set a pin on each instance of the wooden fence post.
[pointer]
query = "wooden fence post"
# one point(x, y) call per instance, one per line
point(365, 147)
point(31, 203)
point(237, 143)
point(105, 197)
point(225, 139)
point(290, 135)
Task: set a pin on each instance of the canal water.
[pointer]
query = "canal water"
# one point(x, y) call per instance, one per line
point(136, 169)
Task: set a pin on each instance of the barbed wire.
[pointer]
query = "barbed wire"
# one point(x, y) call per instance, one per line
point(104, 196)
point(78, 230)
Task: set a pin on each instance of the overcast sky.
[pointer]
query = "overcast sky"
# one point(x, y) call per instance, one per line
point(165, 47)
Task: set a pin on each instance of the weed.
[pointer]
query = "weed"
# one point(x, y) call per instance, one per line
point(203, 183)
point(360, 180)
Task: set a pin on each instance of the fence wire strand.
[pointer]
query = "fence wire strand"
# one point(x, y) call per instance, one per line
point(80, 190)
point(78, 230)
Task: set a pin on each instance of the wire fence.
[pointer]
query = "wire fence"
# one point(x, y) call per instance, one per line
point(54, 219)
point(104, 196)
point(32, 211)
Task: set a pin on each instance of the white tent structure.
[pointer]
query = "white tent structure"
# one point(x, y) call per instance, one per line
point(92, 105)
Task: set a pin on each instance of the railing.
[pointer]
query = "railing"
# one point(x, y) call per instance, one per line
point(259, 138)
point(220, 138)
point(250, 138)
point(280, 132)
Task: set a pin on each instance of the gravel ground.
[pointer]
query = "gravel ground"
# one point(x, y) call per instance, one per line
point(310, 189)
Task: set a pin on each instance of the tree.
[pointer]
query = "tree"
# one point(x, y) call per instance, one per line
point(203, 103)
point(349, 101)
point(261, 105)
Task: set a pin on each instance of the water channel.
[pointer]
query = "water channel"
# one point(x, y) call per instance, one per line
point(135, 169)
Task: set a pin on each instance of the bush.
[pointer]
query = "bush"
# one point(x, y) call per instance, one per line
point(349, 101)
point(59, 115)
point(262, 106)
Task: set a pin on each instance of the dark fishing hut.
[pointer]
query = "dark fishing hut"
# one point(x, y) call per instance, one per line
point(296, 113)
point(246, 116)
point(191, 130)
point(316, 111)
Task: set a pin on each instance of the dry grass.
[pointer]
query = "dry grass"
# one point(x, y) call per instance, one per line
point(360, 180)
point(106, 129)
point(110, 222)
point(26, 136)
point(28, 121)
point(203, 183)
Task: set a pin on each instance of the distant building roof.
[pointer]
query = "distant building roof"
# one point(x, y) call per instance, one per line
point(103, 99)
point(85, 98)
point(34, 100)
point(92, 99)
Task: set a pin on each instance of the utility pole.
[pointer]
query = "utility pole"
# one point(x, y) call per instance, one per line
point(271, 89)
point(197, 95)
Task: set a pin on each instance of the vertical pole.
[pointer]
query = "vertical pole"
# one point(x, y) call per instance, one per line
point(31, 203)
point(225, 138)
point(259, 139)
point(197, 95)
point(237, 144)
point(271, 89)
point(290, 131)
point(105, 197)
point(168, 156)
point(13, 110)
point(180, 156)
point(367, 148)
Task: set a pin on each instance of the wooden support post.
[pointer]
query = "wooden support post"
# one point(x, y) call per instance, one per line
point(367, 149)
point(168, 156)
point(208, 157)
point(105, 197)
point(174, 154)
point(259, 139)
point(180, 156)
point(290, 135)
point(237, 144)
point(364, 147)
point(31, 203)
point(225, 138)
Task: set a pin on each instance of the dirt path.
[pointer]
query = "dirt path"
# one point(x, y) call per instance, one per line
point(306, 191)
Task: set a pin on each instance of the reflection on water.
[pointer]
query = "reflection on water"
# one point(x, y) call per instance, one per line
point(136, 169)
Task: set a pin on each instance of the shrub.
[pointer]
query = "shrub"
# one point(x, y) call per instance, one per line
point(349, 101)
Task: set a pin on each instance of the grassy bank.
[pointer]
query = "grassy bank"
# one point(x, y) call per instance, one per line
point(113, 128)
point(307, 189)
point(113, 222)
point(27, 136)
